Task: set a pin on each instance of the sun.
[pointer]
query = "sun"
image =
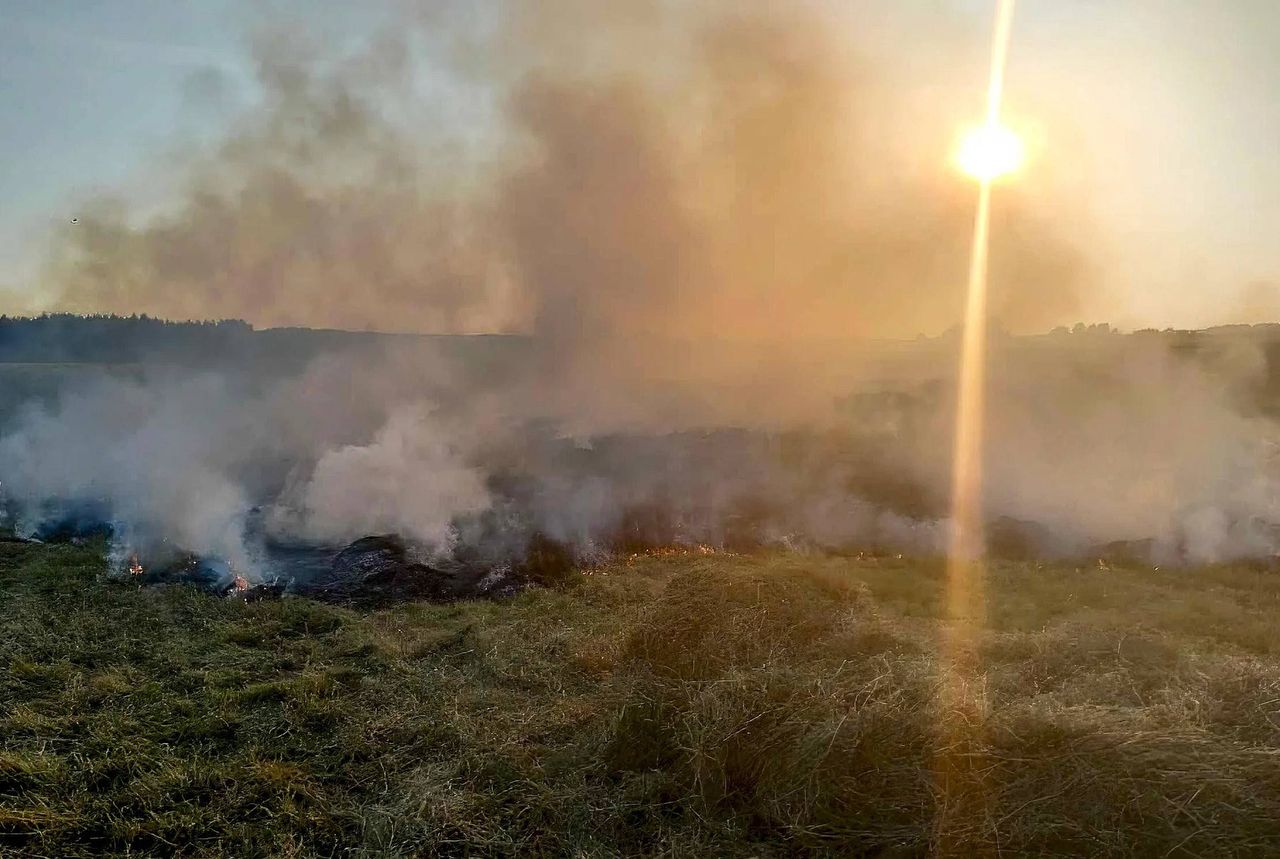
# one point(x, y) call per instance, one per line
point(988, 152)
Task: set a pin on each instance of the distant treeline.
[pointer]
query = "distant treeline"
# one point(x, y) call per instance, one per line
point(66, 337)
point(56, 338)
point(70, 338)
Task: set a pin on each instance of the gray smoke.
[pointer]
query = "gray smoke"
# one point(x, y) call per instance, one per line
point(743, 188)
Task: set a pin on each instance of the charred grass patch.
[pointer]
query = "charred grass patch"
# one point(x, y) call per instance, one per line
point(677, 705)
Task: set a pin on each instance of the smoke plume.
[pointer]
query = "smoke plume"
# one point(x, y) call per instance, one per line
point(715, 262)
point(744, 187)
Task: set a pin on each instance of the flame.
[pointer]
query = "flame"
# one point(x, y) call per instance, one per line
point(135, 566)
point(239, 584)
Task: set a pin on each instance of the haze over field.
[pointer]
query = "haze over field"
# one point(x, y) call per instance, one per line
point(705, 216)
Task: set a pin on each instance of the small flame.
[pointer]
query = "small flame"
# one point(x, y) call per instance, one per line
point(239, 584)
point(135, 566)
point(677, 551)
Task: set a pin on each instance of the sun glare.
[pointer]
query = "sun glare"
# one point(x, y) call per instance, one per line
point(989, 152)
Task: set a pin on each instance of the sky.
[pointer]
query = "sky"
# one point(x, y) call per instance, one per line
point(1162, 115)
point(94, 90)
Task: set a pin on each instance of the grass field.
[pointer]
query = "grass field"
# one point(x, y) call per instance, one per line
point(680, 705)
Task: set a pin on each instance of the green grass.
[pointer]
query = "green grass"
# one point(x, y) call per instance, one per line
point(676, 706)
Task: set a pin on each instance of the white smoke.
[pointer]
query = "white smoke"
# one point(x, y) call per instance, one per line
point(1090, 441)
point(410, 479)
point(157, 453)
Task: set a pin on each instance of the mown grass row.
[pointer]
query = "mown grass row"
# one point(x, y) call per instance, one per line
point(681, 706)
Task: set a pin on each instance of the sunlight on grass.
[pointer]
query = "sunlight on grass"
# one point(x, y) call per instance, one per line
point(685, 705)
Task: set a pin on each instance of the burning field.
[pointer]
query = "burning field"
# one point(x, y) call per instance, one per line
point(699, 506)
point(457, 475)
point(721, 296)
point(383, 604)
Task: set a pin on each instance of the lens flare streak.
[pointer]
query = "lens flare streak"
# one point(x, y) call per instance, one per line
point(963, 800)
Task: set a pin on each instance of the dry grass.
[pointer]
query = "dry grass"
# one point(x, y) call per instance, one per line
point(666, 706)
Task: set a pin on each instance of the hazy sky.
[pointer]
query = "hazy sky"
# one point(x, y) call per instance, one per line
point(1164, 113)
